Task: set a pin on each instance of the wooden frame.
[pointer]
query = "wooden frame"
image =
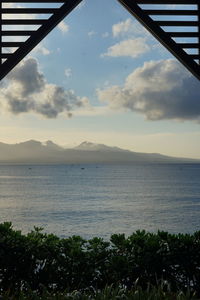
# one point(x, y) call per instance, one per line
point(182, 50)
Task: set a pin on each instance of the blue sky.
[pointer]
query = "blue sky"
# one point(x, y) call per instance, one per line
point(99, 76)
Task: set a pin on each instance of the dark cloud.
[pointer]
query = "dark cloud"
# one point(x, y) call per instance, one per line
point(28, 77)
point(17, 106)
point(159, 90)
point(27, 90)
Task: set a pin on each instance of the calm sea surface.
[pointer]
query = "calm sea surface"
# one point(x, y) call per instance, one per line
point(98, 200)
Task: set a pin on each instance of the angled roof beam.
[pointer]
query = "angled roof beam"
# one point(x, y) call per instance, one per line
point(36, 36)
point(164, 37)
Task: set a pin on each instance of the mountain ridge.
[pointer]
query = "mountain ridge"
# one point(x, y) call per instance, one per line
point(48, 152)
point(88, 146)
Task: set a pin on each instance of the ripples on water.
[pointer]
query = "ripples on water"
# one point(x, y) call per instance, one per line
point(98, 200)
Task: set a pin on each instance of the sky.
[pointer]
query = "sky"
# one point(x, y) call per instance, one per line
point(99, 76)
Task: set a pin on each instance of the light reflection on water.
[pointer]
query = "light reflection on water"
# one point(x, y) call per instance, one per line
point(98, 200)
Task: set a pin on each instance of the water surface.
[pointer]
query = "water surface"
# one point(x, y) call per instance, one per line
point(98, 200)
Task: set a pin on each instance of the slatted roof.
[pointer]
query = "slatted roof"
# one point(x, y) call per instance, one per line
point(175, 23)
point(12, 52)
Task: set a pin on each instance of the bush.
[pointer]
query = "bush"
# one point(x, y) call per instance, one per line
point(39, 261)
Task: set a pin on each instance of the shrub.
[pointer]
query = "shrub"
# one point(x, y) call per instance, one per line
point(38, 261)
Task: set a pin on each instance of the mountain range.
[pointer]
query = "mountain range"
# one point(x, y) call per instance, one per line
point(35, 152)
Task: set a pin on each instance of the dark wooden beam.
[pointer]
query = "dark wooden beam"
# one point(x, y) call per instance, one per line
point(185, 34)
point(38, 35)
point(163, 37)
point(29, 10)
point(177, 23)
point(170, 12)
point(17, 32)
point(166, 2)
point(34, 1)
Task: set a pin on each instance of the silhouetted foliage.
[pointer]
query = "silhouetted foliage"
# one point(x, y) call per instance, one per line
point(38, 261)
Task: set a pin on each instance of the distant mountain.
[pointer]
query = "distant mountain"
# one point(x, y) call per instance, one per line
point(52, 146)
point(34, 152)
point(87, 146)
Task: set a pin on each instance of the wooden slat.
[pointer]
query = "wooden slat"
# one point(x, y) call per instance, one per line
point(17, 32)
point(34, 1)
point(194, 56)
point(177, 23)
point(165, 2)
point(170, 12)
point(11, 44)
point(28, 10)
point(5, 55)
point(183, 34)
point(189, 45)
point(23, 21)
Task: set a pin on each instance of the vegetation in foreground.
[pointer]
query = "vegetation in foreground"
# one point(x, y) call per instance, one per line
point(108, 293)
point(142, 266)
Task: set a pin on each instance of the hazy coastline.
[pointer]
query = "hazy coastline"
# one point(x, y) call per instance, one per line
point(35, 152)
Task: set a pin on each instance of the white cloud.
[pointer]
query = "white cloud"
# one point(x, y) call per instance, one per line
point(27, 91)
point(91, 33)
point(134, 40)
point(105, 35)
point(41, 50)
point(128, 28)
point(131, 47)
point(91, 111)
point(63, 27)
point(68, 72)
point(159, 90)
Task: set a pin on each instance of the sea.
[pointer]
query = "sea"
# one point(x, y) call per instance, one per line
point(101, 199)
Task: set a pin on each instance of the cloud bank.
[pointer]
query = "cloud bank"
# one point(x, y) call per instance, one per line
point(128, 28)
point(27, 91)
point(158, 90)
point(134, 41)
point(131, 47)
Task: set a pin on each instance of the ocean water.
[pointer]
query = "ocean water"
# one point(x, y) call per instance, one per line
point(99, 200)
